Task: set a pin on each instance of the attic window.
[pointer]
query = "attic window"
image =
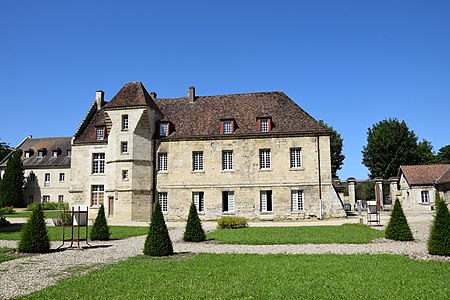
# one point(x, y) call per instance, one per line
point(56, 152)
point(164, 129)
point(100, 133)
point(69, 153)
point(264, 124)
point(42, 152)
point(227, 126)
point(27, 154)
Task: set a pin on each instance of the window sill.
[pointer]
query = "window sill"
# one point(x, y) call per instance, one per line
point(163, 172)
point(266, 213)
point(98, 174)
point(124, 153)
point(228, 171)
point(297, 211)
point(266, 170)
point(198, 171)
point(297, 169)
point(228, 213)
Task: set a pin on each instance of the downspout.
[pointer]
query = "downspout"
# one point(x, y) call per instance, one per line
point(320, 179)
point(152, 206)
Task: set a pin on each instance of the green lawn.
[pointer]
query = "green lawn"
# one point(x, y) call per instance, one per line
point(48, 214)
point(4, 255)
point(250, 276)
point(55, 233)
point(345, 234)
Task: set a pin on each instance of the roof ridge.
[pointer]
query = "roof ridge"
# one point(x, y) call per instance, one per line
point(220, 95)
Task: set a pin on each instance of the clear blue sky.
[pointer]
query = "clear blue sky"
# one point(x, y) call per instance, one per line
point(350, 63)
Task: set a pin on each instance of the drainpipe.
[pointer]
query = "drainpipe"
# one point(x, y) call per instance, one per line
point(320, 178)
point(152, 206)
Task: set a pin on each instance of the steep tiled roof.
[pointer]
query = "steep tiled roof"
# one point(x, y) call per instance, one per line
point(132, 94)
point(423, 174)
point(49, 144)
point(98, 119)
point(445, 178)
point(202, 117)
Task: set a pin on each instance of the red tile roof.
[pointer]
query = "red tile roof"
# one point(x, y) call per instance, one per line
point(132, 94)
point(423, 174)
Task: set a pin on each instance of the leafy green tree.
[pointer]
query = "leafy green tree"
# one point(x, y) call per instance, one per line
point(439, 240)
point(398, 228)
point(365, 190)
point(424, 153)
point(336, 144)
point(158, 241)
point(12, 182)
point(443, 156)
point(194, 231)
point(390, 144)
point(100, 229)
point(5, 149)
point(34, 236)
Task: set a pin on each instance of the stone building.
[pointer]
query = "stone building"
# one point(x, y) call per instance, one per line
point(257, 155)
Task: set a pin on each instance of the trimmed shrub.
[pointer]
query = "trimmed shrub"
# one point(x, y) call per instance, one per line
point(100, 229)
point(398, 228)
point(4, 222)
point(34, 236)
point(232, 222)
point(439, 240)
point(49, 206)
point(194, 231)
point(158, 241)
point(8, 210)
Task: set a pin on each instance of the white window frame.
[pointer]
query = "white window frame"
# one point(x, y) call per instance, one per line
point(265, 159)
point(227, 160)
point(97, 195)
point(227, 127)
point(228, 202)
point(98, 163)
point(162, 199)
point(123, 147)
point(40, 154)
point(296, 158)
point(55, 153)
point(27, 154)
point(62, 177)
point(100, 133)
point(265, 205)
point(425, 197)
point(197, 161)
point(124, 122)
point(297, 200)
point(264, 125)
point(47, 179)
point(60, 198)
point(46, 198)
point(162, 162)
point(163, 129)
point(199, 201)
point(69, 153)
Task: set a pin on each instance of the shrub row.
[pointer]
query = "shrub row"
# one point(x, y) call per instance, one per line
point(49, 206)
point(8, 210)
point(232, 222)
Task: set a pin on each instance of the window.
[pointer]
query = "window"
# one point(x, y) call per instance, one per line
point(163, 129)
point(199, 201)
point(47, 179)
point(60, 198)
point(125, 175)
point(228, 202)
point(227, 160)
point(197, 161)
point(162, 198)
point(227, 126)
point(41, 153)
point(27, 154)
point(69, 153)
point(98, 195)
point(100, 133)
point(425, 196)
point(98, 163)
point(296, 158)
point(124, 147)
point(55, 153)
point(297, 200)
point(46, 198)
point(264, 124)
point(62, 177)
point(162, 161)
point(264, 158)
point(124, 122)
point(266, 201)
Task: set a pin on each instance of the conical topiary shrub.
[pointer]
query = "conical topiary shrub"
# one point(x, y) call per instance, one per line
point(398, 228)
point(158, 241)
point(34, 237)
point(100, 229)
point(439, 240)
point(194, 231)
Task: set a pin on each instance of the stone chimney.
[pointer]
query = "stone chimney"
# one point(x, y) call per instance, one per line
point(153, 95)
point(99, 99)
point(191, 94)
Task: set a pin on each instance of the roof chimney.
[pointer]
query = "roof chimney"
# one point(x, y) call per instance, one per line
point(191, 94)
point(99, 99)
point(153, 95)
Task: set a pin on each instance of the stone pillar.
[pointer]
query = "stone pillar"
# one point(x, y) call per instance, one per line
point(351, 190)
point(393, 188)
point(379, 192)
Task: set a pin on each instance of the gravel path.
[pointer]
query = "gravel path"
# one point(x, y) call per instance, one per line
point(31, 273)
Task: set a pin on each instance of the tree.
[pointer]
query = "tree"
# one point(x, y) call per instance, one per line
point(443, 156)
point(424, 153)
point(12, 182)
point(365, 190)
point(34, 237)
point(5, 149)
point(398, 228)
point(158, 241)
point(336, 144)
point(439, 240)
point(194, 231)
point(390, 144)
point(100, 229)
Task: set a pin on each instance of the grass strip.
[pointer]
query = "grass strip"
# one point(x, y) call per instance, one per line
point(345, 234)
point(251, 276)
point(4, 255)
point(48, 214)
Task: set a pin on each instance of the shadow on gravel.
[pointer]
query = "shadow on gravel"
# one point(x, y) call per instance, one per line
point(12, 227)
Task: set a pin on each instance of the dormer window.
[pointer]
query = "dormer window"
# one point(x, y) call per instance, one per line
point(69, 153)
point(27, 154)
point(56, 152)
point(164, 129)
point(42, 152)
point(100, 133)
point(227, 126)
point(264, 124)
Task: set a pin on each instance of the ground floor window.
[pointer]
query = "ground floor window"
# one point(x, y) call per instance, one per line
point(266, 201)
point(98, 195)
point(199, 200)
point(60, 198)
point(297, 200)
point(425, 197)
point(46, 198)
point(228, 201)
point(162, 198)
